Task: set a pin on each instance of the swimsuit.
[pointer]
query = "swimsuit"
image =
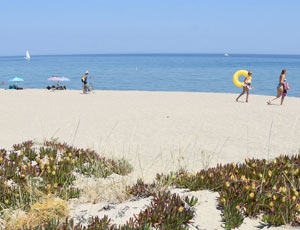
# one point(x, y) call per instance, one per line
point(280, 84)
point(248, 84)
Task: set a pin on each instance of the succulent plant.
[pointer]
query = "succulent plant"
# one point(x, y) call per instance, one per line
point(53, 163)
point(255, 187)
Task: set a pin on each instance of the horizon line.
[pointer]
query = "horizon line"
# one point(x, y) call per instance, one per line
point(154, 53)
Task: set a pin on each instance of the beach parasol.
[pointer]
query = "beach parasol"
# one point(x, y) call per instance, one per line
point(64, 79)
point(16, 79)
point(56, 78)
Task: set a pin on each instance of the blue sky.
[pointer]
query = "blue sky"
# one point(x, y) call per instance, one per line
point(149, 26)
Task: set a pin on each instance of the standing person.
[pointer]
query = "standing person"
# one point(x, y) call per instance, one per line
point(246, 86)
point(58, 85)
point(84, 80)
point(281, 88)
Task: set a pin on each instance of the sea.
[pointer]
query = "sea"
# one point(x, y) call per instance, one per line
point(154, 72)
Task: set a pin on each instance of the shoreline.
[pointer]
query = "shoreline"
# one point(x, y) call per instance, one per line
point(147, 91)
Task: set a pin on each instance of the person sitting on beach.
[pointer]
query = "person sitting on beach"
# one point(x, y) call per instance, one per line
point(60, 87)
point(246, 86)
point(281, 88)
point(15, 87)
point(12, 87)
point(51, 87)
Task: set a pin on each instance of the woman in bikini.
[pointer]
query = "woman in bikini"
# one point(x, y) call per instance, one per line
point(281, 90)
point(246, 86)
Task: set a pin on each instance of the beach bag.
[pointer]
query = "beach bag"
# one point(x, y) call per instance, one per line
point(287, 86)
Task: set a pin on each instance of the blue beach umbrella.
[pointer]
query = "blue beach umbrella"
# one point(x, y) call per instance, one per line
point(16, 79)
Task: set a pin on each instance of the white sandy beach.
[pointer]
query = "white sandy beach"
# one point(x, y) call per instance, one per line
point(156, 131)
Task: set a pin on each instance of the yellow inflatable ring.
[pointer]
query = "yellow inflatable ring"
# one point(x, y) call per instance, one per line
point(236, 77)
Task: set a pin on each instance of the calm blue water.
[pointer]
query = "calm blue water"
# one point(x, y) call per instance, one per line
point(160, 72)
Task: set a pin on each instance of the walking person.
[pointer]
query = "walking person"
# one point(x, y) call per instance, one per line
point(282, 87)
point(246, 86)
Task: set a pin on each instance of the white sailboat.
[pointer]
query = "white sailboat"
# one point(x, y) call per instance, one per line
point(226, 54)
point(27, 57)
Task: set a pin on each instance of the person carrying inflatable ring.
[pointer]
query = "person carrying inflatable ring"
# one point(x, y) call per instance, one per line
point(246, 85)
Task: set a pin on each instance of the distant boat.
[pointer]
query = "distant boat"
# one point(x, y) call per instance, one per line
point(27, 56)
point(226, 54)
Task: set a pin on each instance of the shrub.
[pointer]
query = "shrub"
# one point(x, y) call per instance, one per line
point(29, 170)
point(44, 214)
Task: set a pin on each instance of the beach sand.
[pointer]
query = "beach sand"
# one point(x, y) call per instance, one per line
point(156, 131)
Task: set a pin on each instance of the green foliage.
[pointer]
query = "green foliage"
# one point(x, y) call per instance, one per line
point(28, 171)
point(140, 189)
point(191, 202)
point(270, 188)
point(122, 167)
point(249, 189)
point(166, 211)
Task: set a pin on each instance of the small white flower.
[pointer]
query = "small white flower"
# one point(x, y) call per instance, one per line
point(11, 183)
point(45, 159)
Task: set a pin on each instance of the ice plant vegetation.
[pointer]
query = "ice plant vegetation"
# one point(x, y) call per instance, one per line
point(39, 178)
point(166, 211)
point(270, 188)
point(30, 171)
